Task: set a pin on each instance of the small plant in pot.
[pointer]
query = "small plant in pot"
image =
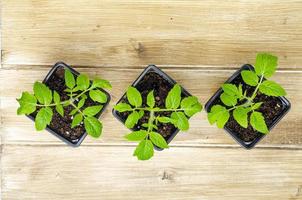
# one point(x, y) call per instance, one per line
point(67, 104)
point(248, 105)
point(155, 108)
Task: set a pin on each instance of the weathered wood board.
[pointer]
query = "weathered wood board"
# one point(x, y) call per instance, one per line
point(198, 43)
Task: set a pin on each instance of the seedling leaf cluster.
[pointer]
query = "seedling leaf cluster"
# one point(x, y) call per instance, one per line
point(44, 101)
point(148, 136)
point(242, 106)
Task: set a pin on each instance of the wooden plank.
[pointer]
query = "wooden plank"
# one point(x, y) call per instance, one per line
point(1, 170)
point(57, 172)
point(1, 133)
point(130, 33)
point(202, 83)
point(1, 164)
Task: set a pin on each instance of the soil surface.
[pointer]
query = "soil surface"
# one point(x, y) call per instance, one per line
point(161, 87)
point(62, 125)
point(271, 108)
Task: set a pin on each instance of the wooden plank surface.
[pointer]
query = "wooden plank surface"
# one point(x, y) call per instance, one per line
point(122, 33)
point(200, 44)
point(40, 172)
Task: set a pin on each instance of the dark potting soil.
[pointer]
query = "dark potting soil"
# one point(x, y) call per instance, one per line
point(161, 87)
point(59, 124)
point(271, 108)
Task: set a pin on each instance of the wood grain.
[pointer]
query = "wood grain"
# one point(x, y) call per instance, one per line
point(198, 43)
point(40, 172)
point(202, 83)
point(130, 33)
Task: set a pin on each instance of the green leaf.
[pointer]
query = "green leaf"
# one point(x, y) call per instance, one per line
point(56, 97)
point(98, 96)
point(244, 94)
point(188, 102)
point(218, 114)
point(74, 111)
point(240, 115)
point(60, 109)
point(81, 103)
point(57, 100)
point(43, 93)
point(83, 96)
point(158, 140)
point(76, 120)
point(134, 97)
point(75, 89)
point(69, 79)
point(150, 99)
point(83, 82)
point(137, 135)
point(101, 83)
point(230, 89)
point(164, 119)
point(122, 107)
point(240, 91)
point(67, 90)
point(144, 150)
point(92, 110)
point(141, 113)
point(228, 99)
point(256, 106)
point(250, 77)
point(132, 119)
point(43, 118)
point(257, 121)
point(27, 104)
point(66, 104)
point(190, 105)
point(266, 64)
point(93, 126)
point(174, 97)
point(271, 88)
point(180, 120)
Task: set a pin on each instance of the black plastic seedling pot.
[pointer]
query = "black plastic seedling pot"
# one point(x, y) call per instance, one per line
point(152, 78)
point(55, 81)
point(283, 106)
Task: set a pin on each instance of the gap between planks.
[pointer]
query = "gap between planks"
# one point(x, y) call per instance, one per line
point(136, 67)
point(133, 145)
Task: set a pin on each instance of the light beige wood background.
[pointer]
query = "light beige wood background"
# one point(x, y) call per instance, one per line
point(198, 43)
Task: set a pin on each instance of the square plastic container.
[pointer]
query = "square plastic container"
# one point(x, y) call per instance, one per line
point(152, 68)
point(248, 145)
point(77, 142)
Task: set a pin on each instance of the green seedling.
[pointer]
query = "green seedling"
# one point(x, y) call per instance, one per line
point(44, 101)
point(148, 136)
point(243, 107)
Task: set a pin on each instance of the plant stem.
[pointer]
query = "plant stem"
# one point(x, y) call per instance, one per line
point(151, 114)
point(78, 110)
point(79, 95)
point(156, 109)
point(257, 87)
point(70, 101)
point(242, 105)
point(150, 121)
point(250, 99)
point(170, 110)
point(53, 104)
